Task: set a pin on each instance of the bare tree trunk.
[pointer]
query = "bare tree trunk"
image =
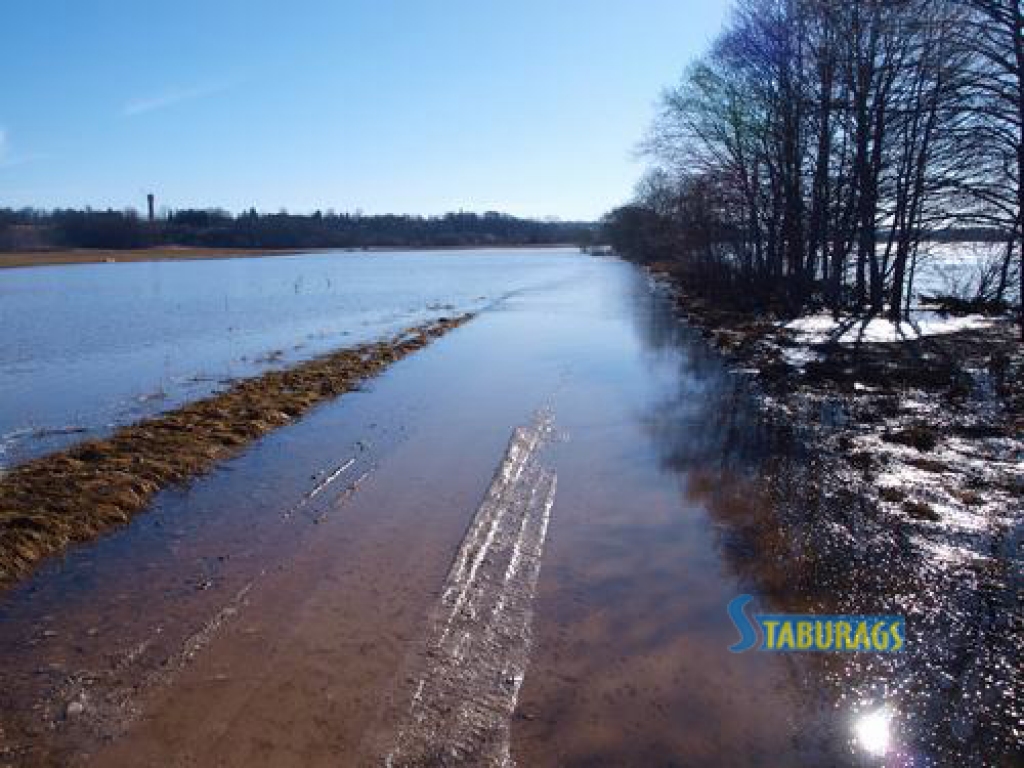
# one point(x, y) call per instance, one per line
point(1004, 268)
point(1018, 48)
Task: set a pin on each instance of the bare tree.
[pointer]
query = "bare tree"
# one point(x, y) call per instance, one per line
point(994, 34)
point(825, 139)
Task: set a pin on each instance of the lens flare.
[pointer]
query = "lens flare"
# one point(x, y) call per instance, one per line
point(872, 731)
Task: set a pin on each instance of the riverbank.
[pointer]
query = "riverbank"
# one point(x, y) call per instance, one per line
point(13, 259)
point(939, 407)
point(906, 500)
point(75, 495)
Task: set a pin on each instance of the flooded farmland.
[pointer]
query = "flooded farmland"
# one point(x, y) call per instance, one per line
point(90, 346)
point(516, 545)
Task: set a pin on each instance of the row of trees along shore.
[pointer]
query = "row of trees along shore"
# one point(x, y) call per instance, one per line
point(34, 229)
point(807, 156)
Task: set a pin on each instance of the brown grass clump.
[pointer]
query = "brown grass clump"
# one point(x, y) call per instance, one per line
point(76, 494)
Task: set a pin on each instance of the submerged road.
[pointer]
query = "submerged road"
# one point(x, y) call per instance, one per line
point(508, 549)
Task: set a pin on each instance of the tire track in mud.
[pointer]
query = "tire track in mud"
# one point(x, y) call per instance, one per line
point(104, 696)
point(464, 692)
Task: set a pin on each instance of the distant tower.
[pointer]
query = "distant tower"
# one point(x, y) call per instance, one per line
point(150, 199)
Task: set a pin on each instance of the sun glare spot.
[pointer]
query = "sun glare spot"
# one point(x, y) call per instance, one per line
point(872, 730)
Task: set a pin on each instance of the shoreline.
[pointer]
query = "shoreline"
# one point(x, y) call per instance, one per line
point(904, 500)
point(56, 258)
point(927, 430)
point(77, 494)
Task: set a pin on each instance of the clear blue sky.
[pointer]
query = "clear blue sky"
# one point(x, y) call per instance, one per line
point(532, 107)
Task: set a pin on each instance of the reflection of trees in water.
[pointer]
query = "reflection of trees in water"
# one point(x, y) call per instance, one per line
point(797, 530)
point(709, 420)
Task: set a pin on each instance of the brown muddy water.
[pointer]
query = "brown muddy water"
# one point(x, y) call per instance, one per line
point(514, 547)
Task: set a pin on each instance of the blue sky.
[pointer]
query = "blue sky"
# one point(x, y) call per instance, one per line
point(533, 108)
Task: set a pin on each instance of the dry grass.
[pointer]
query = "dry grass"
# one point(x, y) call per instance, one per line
point(76, 494)
point(95, 256)
point(44, 258)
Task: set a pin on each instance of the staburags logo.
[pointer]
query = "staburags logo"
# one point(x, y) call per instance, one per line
point(810, 632)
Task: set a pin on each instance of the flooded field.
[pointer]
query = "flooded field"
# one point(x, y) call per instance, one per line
point(89, 346)
point(515, 546)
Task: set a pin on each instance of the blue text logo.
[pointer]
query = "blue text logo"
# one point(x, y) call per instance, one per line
point(809, 632)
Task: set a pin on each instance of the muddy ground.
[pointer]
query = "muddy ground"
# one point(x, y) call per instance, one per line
point(906, 498)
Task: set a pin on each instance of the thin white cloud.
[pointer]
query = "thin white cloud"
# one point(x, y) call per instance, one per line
point(9, 158)
point(170, 98)
point(12, 160)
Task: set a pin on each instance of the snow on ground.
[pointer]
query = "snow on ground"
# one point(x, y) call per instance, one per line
point(942, 268)
point(799, 356)
point(819, 328)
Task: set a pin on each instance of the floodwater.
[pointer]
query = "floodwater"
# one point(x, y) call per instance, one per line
point(958, 268)
point(517, 545)
point(85, 347)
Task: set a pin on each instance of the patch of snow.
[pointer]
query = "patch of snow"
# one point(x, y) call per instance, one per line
point(798, 356)
point(808, 326)
point(933, 324)
point(819, 328)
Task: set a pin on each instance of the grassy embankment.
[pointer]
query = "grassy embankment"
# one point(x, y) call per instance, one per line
point(77, 494)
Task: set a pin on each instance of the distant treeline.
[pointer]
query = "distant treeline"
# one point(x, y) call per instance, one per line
point(805, 159)
point(30, 229)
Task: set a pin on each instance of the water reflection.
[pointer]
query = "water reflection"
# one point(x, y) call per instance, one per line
point(707, 422)
point(872, 730)
point(83, 347)
point(796, 533)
